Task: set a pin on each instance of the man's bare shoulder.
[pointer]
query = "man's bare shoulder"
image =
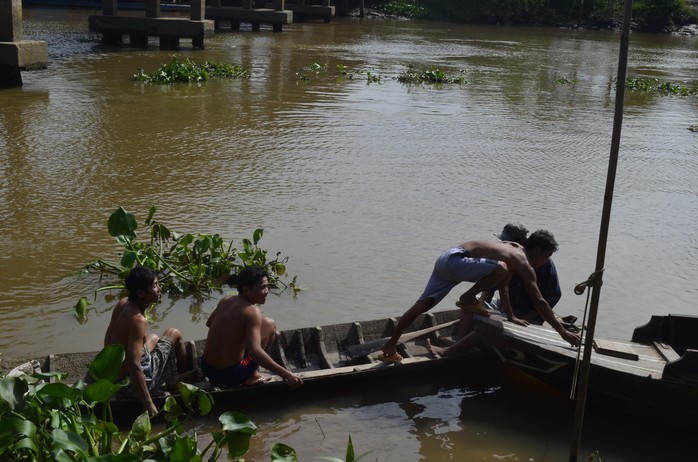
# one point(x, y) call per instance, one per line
point(234, 305)
point(506, 251)
point(127, 321)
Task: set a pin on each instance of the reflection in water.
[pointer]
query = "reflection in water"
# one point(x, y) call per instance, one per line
point(488, 413)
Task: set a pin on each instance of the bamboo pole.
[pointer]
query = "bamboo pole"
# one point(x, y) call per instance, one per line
point(603, 234)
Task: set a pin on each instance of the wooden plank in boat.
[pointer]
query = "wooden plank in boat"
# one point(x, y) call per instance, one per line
point(616, 349)
point(667, 351)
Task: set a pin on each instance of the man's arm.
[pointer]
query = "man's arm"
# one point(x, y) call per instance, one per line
point(539, 303)
point(134, 351)
point(506, 304)
point(253, 319)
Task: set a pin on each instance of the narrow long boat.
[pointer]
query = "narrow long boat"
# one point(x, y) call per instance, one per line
point(653, 377)
point(323, 356)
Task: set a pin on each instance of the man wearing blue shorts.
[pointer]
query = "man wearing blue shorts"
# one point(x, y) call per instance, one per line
point(487, 264)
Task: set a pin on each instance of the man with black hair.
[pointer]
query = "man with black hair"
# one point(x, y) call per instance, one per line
point(150, 361)
point(546, 279)
point(486, 264)
point(239, 335)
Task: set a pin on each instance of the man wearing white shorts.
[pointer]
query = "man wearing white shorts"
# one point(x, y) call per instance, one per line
point(487, 264)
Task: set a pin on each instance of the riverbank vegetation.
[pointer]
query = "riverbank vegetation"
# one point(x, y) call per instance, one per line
point(648, 15)
point(43, 419)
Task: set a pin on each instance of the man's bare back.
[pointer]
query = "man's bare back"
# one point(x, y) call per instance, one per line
point(127, 327)
point(239, 335)
point(228, 325)
point(511, 253)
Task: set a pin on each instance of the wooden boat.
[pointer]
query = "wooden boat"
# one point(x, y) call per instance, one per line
point(652, 377)
point(323, 356)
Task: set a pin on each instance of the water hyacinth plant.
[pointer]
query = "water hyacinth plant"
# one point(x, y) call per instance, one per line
point(44, 419)
point(188, 71)
point(651, 85)
point(185, 263)
point(431, 75)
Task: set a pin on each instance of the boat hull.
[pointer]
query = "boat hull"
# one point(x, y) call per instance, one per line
point(626, 377)
point(320, 355)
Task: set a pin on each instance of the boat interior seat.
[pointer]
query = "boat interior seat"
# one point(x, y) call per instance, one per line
point(685, 369)
point(679, 331)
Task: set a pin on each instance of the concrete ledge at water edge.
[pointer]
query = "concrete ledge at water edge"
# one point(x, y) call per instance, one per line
point(24, 55)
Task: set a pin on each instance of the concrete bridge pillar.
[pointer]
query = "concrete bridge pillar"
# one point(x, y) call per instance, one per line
point(17, 54)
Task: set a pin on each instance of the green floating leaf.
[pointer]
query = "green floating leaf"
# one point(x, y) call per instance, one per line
point(183, 450)
point(238, 431)
point(13, 430)
point(141, 428)
point(12, 391)
point(67, 441)
point(60, 390)
point(283, 453)
point(107, 364)
point(80, 310)
point(129, 259)
point(122, 223)
point(100, 391)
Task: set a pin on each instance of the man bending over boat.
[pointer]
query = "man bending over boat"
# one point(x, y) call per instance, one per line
point(150, 361)
point(546, 279)
point(487, 264)
point(239, 335)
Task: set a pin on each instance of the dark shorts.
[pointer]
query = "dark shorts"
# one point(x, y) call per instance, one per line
point(234, 375)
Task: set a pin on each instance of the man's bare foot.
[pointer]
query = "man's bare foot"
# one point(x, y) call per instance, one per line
point(436, 351)
point(444, 342)
point(477, 308)
point(257, 379)
point(388, 351)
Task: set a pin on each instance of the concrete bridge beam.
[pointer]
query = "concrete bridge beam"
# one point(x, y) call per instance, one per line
point(16, 54)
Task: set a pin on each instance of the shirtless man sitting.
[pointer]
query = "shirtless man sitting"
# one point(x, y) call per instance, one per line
point(150, 361)
point(487, 264)
point(239, 335)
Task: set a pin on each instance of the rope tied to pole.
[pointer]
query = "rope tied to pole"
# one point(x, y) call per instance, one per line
point(595, 279)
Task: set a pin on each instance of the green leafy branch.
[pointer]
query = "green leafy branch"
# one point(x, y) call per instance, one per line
point(185, 263)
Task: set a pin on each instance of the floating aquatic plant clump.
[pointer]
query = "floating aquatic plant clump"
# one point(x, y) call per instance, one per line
point(650, 85)
point(189, 71)
point(431, 75)
point(562, 80)
point(186, 264)
point(408, 8)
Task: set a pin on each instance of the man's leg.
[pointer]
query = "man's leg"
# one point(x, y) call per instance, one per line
point(421, 306)
point(183, 361)
point(469, 298)
point(267, 332)
point(464, 343)
point(185, 370)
